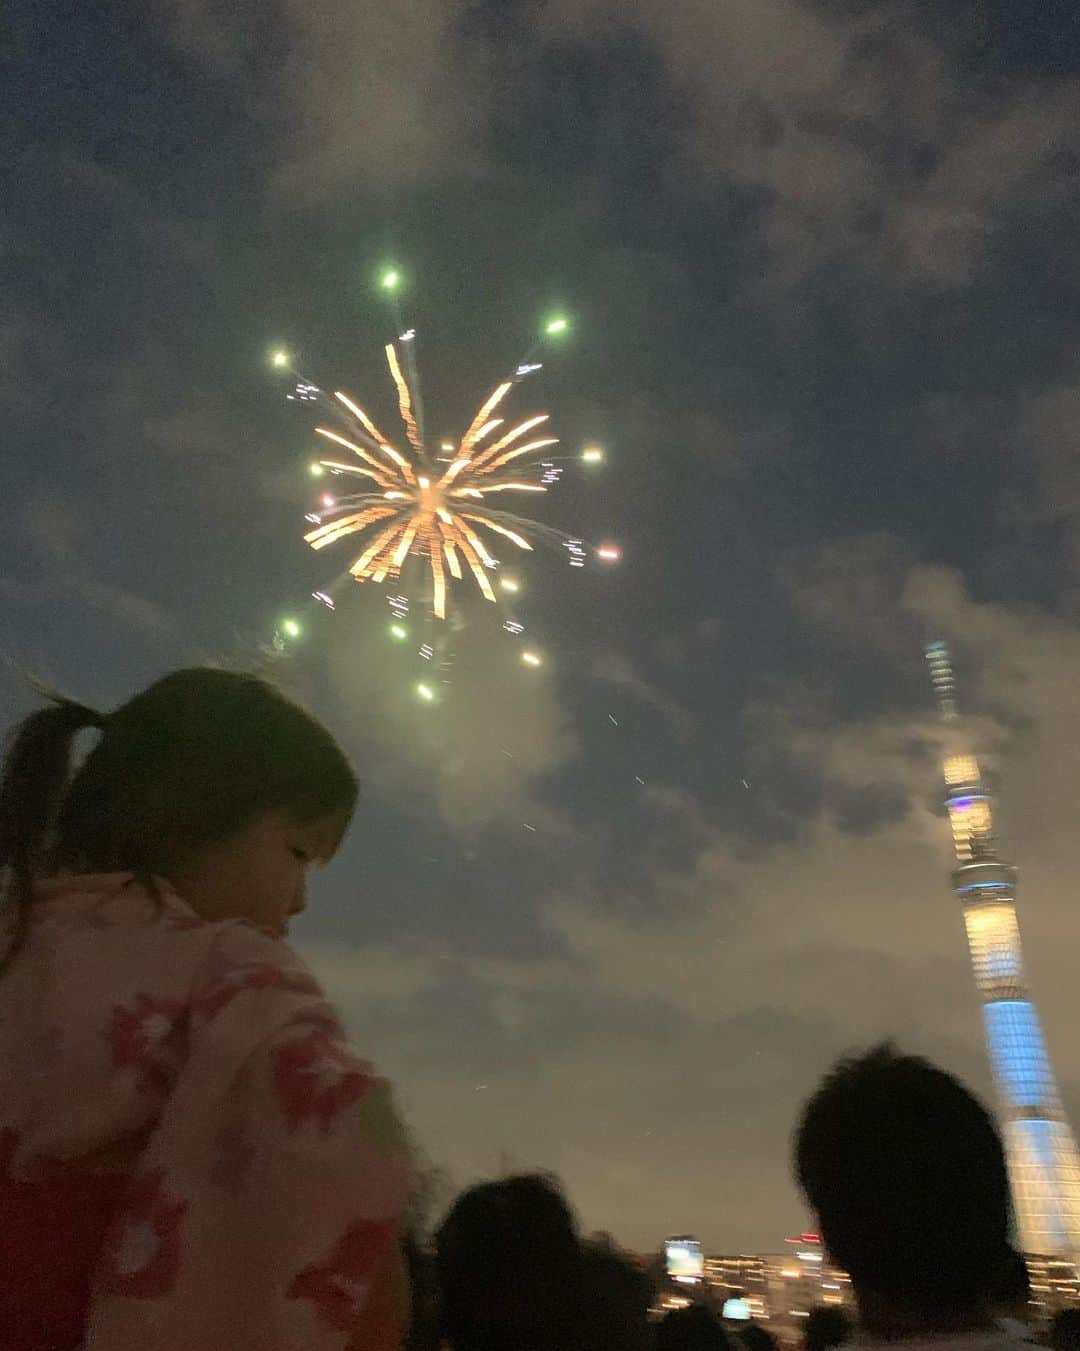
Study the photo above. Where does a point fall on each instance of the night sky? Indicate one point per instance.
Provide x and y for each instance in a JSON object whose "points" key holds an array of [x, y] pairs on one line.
{"points": [[822, 263]]}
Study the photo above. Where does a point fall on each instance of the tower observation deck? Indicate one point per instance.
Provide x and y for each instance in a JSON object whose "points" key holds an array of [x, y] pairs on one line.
{"points": [[1044, 1164]]}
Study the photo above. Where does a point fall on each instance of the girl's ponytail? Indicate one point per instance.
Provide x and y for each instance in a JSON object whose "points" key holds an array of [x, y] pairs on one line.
{"points": [[36, 771]]}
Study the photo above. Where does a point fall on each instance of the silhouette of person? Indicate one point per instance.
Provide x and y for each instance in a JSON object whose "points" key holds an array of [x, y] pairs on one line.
{"points": [[827, 1326], [510, 1268], [906, 1173]]}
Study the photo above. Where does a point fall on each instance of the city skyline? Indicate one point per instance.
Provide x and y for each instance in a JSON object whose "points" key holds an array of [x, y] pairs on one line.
{"points": [[783, 1286]]}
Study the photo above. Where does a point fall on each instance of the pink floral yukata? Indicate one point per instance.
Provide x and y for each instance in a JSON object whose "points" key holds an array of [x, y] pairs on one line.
{"points": [[191, 1158]]}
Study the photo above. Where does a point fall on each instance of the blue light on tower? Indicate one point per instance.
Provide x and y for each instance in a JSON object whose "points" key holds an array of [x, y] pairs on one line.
{"points": [[1016, 1044]]}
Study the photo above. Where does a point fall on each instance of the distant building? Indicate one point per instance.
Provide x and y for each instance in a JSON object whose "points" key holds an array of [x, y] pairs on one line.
{"points": [[779, 1288], [1054, 1285], [1044, 1164], [740, 1278], [681, 1275], [684, 1259], [800, 1279]]}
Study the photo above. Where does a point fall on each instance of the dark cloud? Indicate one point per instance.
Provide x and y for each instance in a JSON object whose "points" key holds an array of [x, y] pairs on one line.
{"points": [[866, 809], [352, 93]]}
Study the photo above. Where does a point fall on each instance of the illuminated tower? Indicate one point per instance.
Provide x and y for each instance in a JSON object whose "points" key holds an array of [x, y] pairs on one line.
{"points": [[1044, 1165]]}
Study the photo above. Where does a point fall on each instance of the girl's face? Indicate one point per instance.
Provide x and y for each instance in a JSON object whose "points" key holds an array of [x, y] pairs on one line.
{"points": [[258, 874]]}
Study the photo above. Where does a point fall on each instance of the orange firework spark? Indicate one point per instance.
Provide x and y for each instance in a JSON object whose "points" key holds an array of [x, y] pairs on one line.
{"points": [[418, 505]]}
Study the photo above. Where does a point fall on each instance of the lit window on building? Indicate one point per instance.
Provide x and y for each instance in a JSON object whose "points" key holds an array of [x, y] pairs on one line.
{"points": [[961, 771], [994, 939], [972, 825]]}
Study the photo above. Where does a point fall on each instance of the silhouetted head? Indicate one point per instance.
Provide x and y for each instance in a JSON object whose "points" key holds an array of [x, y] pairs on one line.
{"points": [[616, 1297], [826, 1326], [1010, 1287], [509, 1267], [693, 1329], [1065, 1330], [209, 778], [423, 1334], [756, 1338], [906, 1173]]}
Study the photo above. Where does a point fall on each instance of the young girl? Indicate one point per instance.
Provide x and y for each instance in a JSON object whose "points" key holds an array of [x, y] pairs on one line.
{"points": [[190, 1154]]}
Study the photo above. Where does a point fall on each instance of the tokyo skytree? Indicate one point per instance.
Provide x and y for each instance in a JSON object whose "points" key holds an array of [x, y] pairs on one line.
{"points": [[1044, 1164]]}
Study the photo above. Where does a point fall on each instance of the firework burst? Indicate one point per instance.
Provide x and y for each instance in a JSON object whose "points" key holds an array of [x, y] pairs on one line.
{"points": [[416, 502]]}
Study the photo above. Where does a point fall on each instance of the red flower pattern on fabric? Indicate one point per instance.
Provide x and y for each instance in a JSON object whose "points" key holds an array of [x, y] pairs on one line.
{"points": [[315, 1076], [142, 1256], [136, 1033], [338, 1285], [262, 976], [182, 1173]]}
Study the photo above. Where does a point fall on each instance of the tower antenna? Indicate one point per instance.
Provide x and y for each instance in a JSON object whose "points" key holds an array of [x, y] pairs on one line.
{"points": [[941, 673]]}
